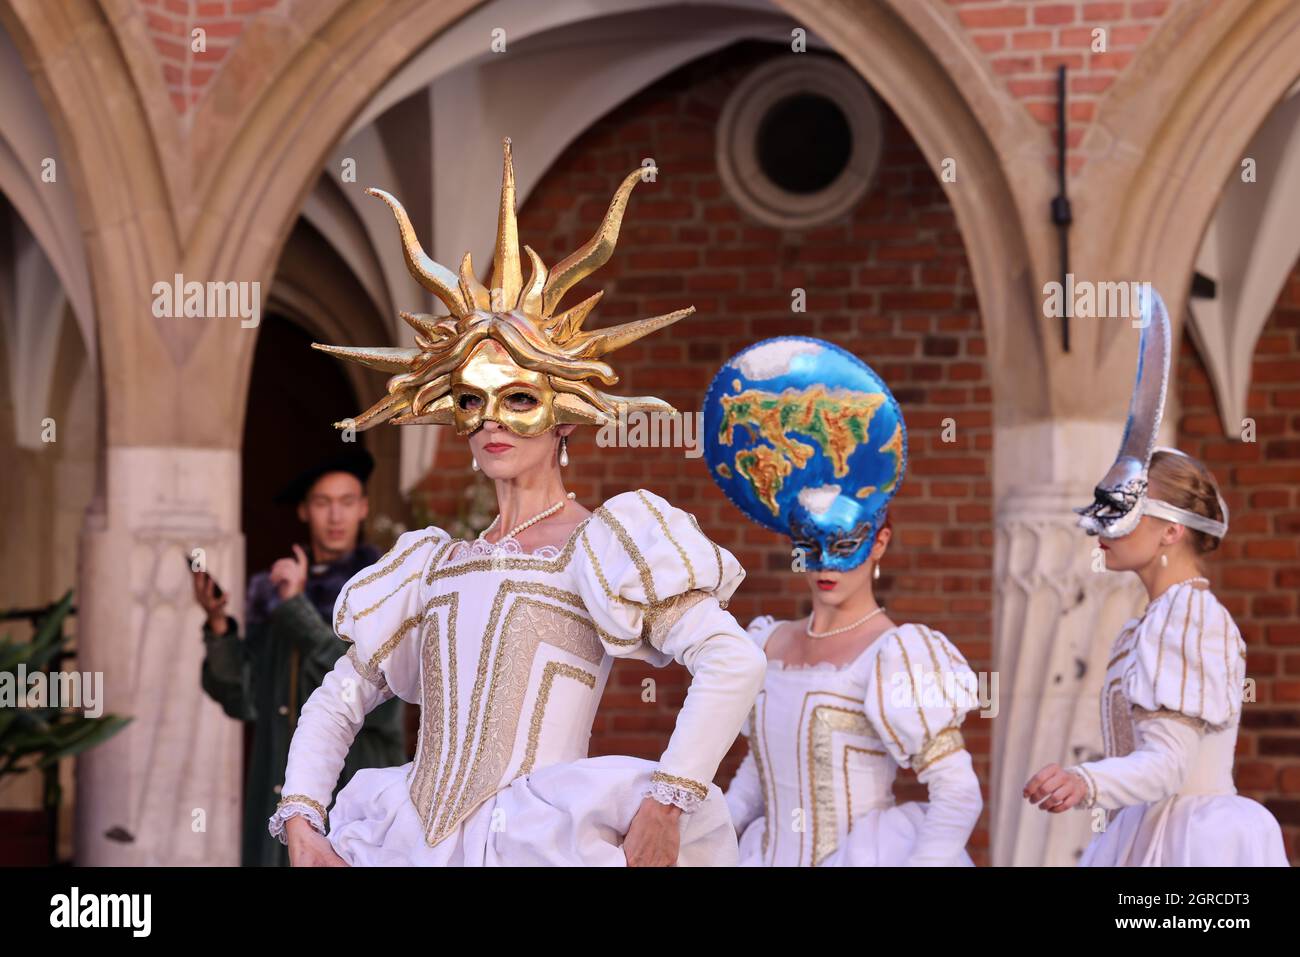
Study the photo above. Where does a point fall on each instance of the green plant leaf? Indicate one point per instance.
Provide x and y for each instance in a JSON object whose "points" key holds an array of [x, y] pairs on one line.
{"points": [[47, 734], [100, 731], [45, 644]]}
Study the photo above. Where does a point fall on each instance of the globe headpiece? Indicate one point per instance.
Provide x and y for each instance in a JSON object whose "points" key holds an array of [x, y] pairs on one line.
{"points": [[807, 441]]}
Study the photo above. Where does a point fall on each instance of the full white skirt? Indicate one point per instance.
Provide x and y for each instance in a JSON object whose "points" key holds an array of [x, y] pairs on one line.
{"points": [[1211, 830], [883, 837], [573, 814]]}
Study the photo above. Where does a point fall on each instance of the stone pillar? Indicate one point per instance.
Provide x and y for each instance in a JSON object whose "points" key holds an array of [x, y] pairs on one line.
{"points": [[1055, 617], [166, 790]]}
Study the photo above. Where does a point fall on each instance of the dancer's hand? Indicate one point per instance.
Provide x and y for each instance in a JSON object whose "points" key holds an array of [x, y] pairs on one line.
{"points": [[654, 837], [308, 847], [1057, 789]]}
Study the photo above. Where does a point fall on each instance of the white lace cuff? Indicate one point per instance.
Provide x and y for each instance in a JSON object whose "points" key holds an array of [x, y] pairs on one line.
{"points": [[679, 792], [1090, 798], [296, 805]]}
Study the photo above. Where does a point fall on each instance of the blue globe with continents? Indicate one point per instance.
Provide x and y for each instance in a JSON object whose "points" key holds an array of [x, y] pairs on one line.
{"points": [[806, 439]]}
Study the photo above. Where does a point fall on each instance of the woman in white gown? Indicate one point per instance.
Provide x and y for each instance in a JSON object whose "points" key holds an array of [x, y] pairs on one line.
{"points": [[1171, 698], [849, 695], [505, 643]]}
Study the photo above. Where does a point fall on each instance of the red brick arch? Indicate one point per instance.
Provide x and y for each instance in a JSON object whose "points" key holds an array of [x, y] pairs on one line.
{"points": [[1172, 143]]}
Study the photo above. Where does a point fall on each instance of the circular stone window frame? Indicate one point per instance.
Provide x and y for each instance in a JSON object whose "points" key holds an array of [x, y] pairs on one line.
{"points": [[737, 142]]}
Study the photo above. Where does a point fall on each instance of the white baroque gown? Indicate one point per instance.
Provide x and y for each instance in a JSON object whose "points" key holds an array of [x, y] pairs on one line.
{"points": [[1170, 707], [826, 742], [507, 656]]}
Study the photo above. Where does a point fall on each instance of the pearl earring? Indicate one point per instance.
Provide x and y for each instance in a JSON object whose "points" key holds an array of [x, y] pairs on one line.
{"points": [[1164, 560], [473, 463], [564, 451], [875, 572]]}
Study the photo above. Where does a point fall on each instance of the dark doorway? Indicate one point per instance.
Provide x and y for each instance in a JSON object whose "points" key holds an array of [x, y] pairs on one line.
{"points": [[295, 394]]}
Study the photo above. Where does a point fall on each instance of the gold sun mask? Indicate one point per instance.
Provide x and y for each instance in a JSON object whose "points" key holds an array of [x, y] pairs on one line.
{"points": [[503, 353]]}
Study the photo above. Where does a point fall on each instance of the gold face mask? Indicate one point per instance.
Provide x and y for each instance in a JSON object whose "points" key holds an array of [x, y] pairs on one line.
{"points": [[491, 386], [506, 352]]}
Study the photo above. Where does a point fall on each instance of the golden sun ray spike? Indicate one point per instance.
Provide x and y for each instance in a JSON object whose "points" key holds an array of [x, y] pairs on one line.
{"points": [[509, 333]]}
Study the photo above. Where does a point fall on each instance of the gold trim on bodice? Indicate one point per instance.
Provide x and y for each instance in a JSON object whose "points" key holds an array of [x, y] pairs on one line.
{"points": [[756, 745], [519, 624], [553, 670], [823, 722]]}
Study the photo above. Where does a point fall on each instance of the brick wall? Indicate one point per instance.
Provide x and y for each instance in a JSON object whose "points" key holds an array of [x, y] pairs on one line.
{"points": [[1025, 41], [1022, 41], [1256, 573], [888, 281], [170, 25]]}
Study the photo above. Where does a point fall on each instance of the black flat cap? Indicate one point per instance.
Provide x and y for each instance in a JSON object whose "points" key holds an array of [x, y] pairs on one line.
{"points": [[354, 461]]}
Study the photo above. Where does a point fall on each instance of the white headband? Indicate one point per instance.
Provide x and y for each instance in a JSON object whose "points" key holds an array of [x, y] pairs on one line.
{"points": [[1172, 513]]}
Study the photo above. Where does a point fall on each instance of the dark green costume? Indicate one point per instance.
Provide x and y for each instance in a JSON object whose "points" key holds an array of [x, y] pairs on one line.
{"points": [[266, 677]]}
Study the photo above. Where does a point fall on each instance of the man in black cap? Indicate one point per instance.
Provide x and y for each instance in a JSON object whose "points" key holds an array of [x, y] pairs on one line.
{"points": [[290, 645]]}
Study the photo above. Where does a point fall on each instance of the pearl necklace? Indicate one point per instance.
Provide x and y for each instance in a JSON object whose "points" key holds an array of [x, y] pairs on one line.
{"points": [[839, 631], [545, 513], [1185, 581]]}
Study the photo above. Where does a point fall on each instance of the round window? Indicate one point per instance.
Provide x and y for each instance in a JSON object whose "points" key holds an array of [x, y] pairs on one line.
{"points": [[799, 142]]}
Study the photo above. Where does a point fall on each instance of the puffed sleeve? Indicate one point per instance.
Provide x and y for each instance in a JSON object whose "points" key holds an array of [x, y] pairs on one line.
{"points": [[1186, 679], [1188, 659], [656, 588], [641, 560], [918, 691], [378, 613], [744, 795], [379, 610], [760, 629]]}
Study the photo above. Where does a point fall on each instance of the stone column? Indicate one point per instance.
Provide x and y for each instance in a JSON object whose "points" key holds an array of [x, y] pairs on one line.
{"points": [[166, 790], [1055, 617]]}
